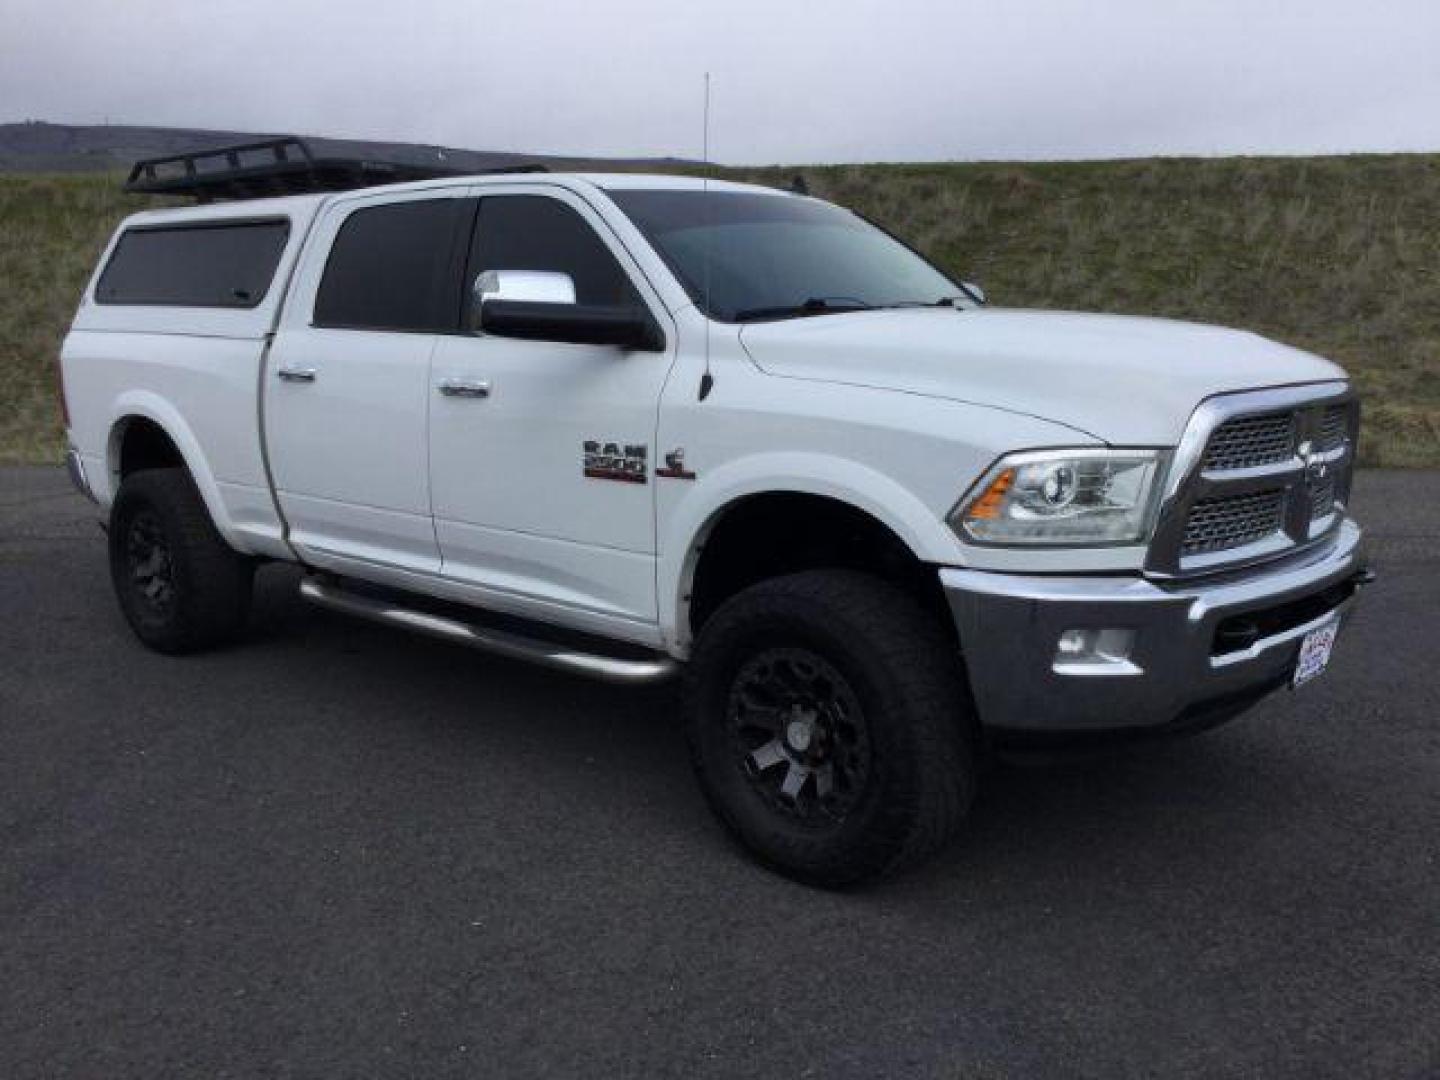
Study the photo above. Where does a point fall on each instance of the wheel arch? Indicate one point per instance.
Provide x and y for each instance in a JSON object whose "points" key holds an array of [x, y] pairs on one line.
{"points": [[144, 412], [846, 487]]}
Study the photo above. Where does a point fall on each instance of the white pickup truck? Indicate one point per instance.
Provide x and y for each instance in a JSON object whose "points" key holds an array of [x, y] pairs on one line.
{"points": [[629, 426]]}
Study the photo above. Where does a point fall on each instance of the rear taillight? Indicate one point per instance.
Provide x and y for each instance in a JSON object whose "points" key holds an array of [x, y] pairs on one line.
{"points": [[60, 393]]}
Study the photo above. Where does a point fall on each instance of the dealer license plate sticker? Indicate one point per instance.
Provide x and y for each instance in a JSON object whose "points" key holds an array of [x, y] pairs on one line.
{"points": [[1315, 649]]}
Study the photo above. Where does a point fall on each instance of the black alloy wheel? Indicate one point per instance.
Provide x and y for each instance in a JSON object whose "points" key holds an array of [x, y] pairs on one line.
{"points": [[830, 726], [801, 735], [149, 566], [180, 585]]}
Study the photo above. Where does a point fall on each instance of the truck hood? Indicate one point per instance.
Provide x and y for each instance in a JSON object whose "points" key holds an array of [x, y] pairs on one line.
{"points": [[1124, 380]]}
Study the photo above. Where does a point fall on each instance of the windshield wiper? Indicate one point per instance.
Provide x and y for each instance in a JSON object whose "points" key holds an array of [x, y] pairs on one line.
{"points": [[816, 305], [944, 301]]}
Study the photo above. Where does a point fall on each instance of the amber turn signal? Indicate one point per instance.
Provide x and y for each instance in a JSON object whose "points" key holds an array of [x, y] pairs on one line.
{"points": [[987, 506]]}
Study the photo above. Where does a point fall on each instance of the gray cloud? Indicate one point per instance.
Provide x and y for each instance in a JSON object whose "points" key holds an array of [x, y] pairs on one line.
{"points": [[846, 80]]}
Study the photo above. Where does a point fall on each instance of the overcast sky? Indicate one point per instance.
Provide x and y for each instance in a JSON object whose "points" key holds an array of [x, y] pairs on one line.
{"points": [[840, 80]]}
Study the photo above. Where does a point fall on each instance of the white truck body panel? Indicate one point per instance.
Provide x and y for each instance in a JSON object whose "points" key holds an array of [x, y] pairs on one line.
{"points": [[513, 511], [349, 450], [195, 372], [896, 456], [1162, 368]]}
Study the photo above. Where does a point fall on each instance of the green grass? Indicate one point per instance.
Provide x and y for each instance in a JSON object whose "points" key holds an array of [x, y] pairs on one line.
{"points": [[52, 229], [1337, 255]]}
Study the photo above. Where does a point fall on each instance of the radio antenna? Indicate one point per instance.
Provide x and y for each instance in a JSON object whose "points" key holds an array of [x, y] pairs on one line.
{"points": [[707, 380]]}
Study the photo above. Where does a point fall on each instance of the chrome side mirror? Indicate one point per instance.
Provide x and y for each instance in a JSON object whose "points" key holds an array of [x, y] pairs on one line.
{"points": [[532, 286], [527, 286], [538, 305]]}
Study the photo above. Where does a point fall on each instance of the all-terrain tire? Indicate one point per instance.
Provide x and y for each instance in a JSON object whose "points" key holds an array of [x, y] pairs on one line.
{"points": [[883, 656], [180, 586]]}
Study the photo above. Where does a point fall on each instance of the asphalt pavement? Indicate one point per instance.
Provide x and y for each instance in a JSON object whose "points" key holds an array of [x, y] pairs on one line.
{"points": [[336, 850]]}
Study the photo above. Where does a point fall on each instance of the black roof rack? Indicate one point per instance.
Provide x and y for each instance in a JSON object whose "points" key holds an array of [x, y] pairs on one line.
{"points": [[283, 166]]}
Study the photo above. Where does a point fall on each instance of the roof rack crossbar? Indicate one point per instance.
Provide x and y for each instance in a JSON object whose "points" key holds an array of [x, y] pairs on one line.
{"points": [[280, 166]]}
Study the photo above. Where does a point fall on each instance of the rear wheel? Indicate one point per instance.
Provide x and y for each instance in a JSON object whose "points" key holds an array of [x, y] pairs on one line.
{"points": [[181, 587], [830, 727]]}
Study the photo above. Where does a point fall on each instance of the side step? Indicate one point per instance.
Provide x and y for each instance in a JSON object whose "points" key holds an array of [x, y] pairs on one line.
{"points": [[546, 653]]}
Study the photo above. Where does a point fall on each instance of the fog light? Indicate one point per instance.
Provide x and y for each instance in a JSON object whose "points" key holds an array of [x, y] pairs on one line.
{"points": [[1095, 651]]}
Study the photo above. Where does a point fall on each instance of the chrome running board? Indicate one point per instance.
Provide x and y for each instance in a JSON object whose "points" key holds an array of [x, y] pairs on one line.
{"points": [[546, 653]]}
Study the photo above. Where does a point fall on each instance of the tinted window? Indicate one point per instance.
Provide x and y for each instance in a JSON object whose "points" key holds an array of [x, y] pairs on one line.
{"points": [[392, 268], [531, 232], [211, 265], [745, 255]]}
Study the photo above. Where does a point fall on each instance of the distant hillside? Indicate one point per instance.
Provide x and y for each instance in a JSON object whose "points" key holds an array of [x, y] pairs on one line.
{"points": [[1337, 255], [35, 146]]}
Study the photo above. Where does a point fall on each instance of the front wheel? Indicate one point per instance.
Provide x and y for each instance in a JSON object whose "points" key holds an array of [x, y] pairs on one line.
{"points": [[181, 587], [829, 726]]}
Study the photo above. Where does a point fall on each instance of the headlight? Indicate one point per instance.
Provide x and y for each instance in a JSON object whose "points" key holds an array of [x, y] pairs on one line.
{"points": [[1063, 497]]}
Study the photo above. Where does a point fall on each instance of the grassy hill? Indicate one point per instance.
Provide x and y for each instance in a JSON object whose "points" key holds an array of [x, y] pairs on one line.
{"points": [[1337, 255]]}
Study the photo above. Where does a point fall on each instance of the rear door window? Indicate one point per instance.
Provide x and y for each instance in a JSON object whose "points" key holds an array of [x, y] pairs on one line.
{"points": [[225, 264], [393, 267]]}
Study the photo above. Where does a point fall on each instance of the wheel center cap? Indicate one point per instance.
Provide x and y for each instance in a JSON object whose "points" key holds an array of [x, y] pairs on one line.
{"points": [[798, 733]]}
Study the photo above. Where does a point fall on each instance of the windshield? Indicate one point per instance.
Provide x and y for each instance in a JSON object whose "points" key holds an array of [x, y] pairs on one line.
{"points": [[776, 256]]}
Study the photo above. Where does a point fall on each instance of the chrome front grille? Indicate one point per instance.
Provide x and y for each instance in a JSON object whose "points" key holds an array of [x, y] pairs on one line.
{"points": [[1322, 498], [1256, 475], [1232, 521], [1333, 427], [1250, 441]]}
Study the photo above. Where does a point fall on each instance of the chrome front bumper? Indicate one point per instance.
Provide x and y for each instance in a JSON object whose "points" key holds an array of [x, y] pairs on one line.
{"points": [[1177, 675]]}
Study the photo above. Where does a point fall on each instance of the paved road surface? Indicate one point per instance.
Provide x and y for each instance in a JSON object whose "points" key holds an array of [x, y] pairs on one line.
{"points": [[340, 851]]}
